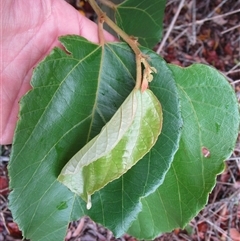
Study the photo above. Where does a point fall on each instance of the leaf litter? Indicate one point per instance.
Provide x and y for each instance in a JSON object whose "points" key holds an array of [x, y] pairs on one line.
{"points": [[204, 32]]}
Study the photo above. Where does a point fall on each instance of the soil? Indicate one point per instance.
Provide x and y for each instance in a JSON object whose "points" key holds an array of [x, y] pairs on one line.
{"points": [[204, 32]]}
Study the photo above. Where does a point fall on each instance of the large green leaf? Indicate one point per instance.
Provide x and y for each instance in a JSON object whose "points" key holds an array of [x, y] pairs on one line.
{"points": [[123, 141], [74, 95], [211, 120], [117, 204], [142, 19], [72, 98]]}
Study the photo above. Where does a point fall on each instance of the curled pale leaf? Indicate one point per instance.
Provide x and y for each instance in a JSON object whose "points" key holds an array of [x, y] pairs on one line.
{"points": [[102, 144], [123, 141]]}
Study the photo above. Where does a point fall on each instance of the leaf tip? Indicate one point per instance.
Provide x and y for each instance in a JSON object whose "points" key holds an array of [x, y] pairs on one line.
{"points": [[89, 202]]}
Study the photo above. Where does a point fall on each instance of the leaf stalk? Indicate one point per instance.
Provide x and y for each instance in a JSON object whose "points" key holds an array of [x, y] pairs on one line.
{"points": [[141, 80]]}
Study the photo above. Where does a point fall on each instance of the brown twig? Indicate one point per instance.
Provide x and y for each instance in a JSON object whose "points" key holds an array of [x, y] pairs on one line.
{"points": [[108, 3], [132, 42], [193, 22], [181, 4], [200, 22], [230, 29]]}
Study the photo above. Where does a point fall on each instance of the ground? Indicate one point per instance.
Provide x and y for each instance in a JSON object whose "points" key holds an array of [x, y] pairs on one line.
{"points": [[194, 31]]}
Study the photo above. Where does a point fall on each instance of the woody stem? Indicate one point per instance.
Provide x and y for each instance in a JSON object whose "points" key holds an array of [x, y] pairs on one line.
{"points": [[129, 40]]}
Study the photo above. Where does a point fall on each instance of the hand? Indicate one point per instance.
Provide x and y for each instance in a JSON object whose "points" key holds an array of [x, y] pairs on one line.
{"points": [[30, 29]]}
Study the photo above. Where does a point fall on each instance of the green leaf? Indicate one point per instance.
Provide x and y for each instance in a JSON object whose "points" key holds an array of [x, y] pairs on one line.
{"points": [[75, 93], [116, 206], [211, 120], [142, 19], [123, 141], [72, 99]]}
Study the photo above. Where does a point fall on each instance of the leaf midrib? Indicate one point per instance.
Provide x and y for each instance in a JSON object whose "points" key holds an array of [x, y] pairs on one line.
{"points": [[50, 101]]}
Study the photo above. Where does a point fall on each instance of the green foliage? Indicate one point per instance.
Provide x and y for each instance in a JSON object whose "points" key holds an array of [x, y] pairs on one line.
{"points": [[123, 141], [84, 116], [72, 121], [210, 123], [149, 31]]}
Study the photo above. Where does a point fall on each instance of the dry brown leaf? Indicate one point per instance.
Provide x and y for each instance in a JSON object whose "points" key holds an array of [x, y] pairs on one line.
{"points": [[3, 185], [234, 234], [236, 185], [14, 230], [219, 20]]}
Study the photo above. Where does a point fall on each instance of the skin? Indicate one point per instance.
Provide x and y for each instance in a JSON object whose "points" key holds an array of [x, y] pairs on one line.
{"points": [[29, 30]]}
